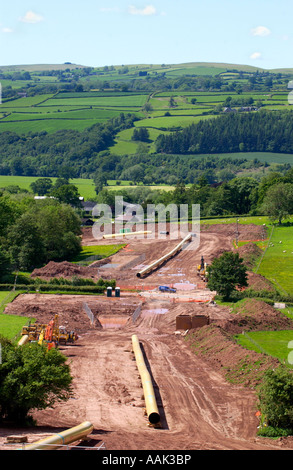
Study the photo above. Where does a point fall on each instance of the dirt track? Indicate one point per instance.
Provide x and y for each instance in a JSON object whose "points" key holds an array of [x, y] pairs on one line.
{"points": [[199, 409]]}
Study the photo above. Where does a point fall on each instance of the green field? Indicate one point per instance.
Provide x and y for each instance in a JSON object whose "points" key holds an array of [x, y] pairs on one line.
{"points": [[242, 220], [86, 187], [26, 102], [101, 251], [48, 125], [5, 298], [11, 325], [273, 343], [108, 101], [277, 263], [77, 111], [80, 110]]}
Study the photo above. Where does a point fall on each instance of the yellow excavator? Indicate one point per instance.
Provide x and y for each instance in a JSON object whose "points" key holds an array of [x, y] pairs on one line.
{"points": [[202, 270]]}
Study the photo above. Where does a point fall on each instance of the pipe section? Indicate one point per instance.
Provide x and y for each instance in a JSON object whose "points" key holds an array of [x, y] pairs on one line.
{"points": [[126, 234], [23, 340], [160, 261], [63, 438], [148, 389]]}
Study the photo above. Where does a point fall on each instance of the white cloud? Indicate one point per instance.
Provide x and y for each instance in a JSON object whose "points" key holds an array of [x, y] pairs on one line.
{"points": [[261, 31], [255, 55], [7, 30], [146, 11], [31, 17]]}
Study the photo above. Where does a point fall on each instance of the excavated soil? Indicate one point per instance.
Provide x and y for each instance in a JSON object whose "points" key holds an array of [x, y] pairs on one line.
{"points": [[65, 270], [199, 408], [227, 357], [256, 315]]}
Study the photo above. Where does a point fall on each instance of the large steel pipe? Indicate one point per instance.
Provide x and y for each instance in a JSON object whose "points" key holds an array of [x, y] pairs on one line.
{"points": [[148, 389], [23, 340], [126, 234], [63, 438], [164, 258]]}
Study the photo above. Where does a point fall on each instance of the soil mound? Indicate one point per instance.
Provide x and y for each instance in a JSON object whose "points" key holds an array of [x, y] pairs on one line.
{"points": [[256, 315], [63, 269], [258, 282], [245, 231], [226, 356], [250, 253]]}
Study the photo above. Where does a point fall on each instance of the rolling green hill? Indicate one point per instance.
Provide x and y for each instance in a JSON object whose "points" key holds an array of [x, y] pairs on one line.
{"points": [[164, 98], [189, 65]]}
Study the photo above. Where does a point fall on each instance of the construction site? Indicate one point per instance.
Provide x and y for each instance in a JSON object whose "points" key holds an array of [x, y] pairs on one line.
{"points": [[138, 384]]}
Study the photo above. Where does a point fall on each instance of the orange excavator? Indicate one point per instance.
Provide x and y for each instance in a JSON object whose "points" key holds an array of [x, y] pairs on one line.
{"points": [[51, 335]]}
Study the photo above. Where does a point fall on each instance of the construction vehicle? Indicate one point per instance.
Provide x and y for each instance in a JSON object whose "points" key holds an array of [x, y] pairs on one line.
{"points": [[32, 331], [51, 334], [167, 289], [202, 270]]}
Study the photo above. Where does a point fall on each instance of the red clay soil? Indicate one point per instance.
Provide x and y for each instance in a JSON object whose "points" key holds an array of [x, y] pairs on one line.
{"points": [[258, 282], [63, 269], [228, 357], [199, 408], [256, 315], [246, 232], [192, 391]]}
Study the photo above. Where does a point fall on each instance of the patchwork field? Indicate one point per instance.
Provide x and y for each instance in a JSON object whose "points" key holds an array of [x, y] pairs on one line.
{"points": [[80, 110]]}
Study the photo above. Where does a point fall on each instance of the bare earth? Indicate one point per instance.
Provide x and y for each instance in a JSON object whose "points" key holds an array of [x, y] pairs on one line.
{"points": [[199, 409]]}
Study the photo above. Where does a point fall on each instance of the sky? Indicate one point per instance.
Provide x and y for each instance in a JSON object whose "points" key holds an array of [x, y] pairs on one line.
{"points": [[115, 32]]}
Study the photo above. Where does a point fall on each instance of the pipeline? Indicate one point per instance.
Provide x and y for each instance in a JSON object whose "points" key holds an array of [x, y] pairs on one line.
{"points": [[63, 438], [169, 255], [23, 340], [125, 234], [148, 389]]}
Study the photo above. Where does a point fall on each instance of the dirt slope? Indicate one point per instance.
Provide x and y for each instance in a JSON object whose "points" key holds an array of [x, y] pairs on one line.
{"points": [[199, 409]]}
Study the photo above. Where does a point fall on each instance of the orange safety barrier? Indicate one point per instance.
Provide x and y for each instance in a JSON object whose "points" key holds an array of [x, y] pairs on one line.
{"points": [[252, 241], [191, 300], [125, 288]]}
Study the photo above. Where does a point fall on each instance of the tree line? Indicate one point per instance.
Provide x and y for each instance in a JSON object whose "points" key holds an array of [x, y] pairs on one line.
{"points": [[262, 131], [32, 233], [43, 154], [272, 196]]}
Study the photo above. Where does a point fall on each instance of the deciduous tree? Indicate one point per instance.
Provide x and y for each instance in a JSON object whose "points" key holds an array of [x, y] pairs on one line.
{"points": [[278, 202], [31, 377], [226, 273]]}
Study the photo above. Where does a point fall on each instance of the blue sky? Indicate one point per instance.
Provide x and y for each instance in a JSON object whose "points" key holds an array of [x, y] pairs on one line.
{"points": [[115, 32]]}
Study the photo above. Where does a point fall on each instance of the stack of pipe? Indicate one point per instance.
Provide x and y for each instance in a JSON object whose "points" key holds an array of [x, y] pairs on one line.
{"points": [[169, 255]]}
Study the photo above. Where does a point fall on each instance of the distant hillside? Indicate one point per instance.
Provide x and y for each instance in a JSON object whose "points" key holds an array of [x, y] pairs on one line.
{"points": [[208, 65], [221, 65], [39, 67]]}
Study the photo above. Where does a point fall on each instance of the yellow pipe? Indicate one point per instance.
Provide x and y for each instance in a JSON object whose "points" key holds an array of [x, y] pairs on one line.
{"points": [[63, 438], [164, 258], [148, 389], [126, 234], [23, 340]]}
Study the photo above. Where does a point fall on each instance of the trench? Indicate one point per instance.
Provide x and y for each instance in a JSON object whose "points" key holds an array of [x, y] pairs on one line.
{"points": [[113, 321]]}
